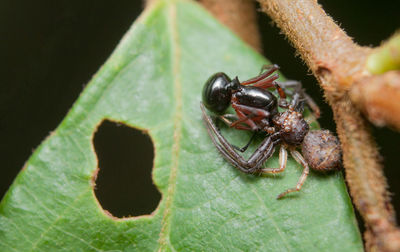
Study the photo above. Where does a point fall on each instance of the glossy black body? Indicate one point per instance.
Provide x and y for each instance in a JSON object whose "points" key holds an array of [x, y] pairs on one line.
{"points": [[219, 90], [257, 98], [216, 94]]}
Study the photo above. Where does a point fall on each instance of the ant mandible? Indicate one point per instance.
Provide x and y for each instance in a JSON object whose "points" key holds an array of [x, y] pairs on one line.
{"points": [[257, 110]]}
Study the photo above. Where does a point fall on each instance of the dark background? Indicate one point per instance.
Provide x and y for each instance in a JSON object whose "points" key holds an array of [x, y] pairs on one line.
{"points": [[50, 50]]}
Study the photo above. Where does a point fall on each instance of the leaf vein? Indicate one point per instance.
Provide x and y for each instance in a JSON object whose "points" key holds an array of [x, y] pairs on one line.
{"points": [[42, 235], [175, 60], [18, 229], [268, 212]]}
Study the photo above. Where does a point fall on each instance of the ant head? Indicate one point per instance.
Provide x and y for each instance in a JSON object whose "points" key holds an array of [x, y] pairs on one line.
{"points": [[217, 92]]}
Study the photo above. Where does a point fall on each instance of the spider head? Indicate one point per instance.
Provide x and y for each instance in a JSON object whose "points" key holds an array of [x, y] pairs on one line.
{"points": [[291, 126]]}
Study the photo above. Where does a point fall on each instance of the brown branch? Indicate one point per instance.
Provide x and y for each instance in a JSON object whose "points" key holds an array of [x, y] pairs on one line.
{"points": [[378, 97], [322, 44], [338, 62], [240, 16]]}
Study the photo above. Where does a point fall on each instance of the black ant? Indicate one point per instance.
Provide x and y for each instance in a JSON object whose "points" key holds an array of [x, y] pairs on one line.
{"points": [[257, 110]]}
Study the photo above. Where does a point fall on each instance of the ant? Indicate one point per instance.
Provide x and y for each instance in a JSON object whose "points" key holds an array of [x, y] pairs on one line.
{"points": [[256, 110]]}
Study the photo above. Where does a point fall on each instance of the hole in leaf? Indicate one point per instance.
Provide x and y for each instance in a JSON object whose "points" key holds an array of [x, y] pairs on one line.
{"points": [[124, 186]]}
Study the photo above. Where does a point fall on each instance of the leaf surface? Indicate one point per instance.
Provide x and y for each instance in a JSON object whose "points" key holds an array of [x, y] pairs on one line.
{"points": [[153, 81]]}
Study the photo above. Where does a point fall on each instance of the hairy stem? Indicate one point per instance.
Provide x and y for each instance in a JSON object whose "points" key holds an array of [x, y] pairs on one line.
{"points": [[338, 62], [378, 96]]}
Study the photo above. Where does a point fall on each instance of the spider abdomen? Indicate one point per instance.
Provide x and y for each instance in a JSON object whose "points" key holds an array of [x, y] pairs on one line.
{"points": [[321, 150]]}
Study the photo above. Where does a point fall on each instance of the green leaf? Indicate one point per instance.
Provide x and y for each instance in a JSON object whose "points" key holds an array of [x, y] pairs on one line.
{"points": [[153, 81]]}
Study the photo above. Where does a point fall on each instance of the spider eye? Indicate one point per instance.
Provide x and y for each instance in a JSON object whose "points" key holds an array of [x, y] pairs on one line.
{"points": [[216, 94]]}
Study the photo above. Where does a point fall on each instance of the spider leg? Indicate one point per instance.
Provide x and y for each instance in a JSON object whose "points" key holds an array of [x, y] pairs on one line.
{"points": [[253, 164], [267, 151], [294, 103], [229, 158], [282, 162], [298, 88], [290, 84], [299, 158], [246, 168], [262, 154], [224, 147], [313, 106]]}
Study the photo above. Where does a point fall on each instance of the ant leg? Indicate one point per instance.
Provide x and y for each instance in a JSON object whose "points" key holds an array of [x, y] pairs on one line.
{"points": [[299, 158], [253, 164], [270, 70], [230, 116], [282, 162], [244, 148], [253, 114], [256, 112], [229, 123], [267, 82], [244, 119], [267, 67]]}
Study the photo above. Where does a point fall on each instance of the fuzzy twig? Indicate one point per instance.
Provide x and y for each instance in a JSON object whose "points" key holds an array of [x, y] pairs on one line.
{"points": [[378, 97], [338, 63]]}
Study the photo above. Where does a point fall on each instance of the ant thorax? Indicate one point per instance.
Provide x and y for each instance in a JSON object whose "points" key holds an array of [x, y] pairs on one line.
{"points": [[291, 126]]}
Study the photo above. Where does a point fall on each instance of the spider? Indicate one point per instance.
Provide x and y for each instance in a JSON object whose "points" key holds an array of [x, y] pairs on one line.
{"points": [[257, 110]]}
